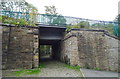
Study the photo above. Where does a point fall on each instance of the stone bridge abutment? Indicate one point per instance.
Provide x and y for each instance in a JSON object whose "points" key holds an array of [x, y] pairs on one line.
{"points": [[86, 48]]}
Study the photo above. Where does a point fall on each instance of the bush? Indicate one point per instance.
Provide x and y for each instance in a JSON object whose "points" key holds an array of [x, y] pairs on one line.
{"points": [[98, 69], [18, 22], [71, 27]]}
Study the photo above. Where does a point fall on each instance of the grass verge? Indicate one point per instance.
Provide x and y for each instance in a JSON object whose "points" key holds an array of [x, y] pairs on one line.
{"points": [[24, 72], [72, 67]]}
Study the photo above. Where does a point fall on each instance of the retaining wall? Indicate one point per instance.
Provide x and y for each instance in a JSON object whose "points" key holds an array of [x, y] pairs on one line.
{"points": [[0, 51], [19, 49], [90, 49]]}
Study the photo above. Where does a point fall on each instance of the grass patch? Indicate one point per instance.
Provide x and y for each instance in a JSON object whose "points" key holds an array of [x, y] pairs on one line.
{"points": [[41, 66], [18, 73], [98, 69], [27, 72], [72, 67], [33, 71], [24, 72]]}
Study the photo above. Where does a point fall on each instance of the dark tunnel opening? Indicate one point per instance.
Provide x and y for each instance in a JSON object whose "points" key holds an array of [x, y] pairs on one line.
{"points": [[49, 50], [51, 36]]}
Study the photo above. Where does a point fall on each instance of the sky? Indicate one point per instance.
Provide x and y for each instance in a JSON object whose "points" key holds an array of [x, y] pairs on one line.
{"points": [[105, 10]]}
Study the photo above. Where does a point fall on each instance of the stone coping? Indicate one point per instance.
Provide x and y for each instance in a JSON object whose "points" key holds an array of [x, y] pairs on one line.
{"points": [[82, 29], [94, 30], [11, 25]]}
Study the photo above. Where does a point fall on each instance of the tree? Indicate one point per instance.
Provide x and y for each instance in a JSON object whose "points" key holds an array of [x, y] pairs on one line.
{"points": [[33, 13], [23, 10], [83, 24], [117, 19], [72, 27], [54, 17], [59, 20], [45, 49], [50, 10]]}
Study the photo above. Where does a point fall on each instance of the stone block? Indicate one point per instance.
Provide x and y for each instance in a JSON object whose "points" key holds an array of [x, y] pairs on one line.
{"points": [[19, 52]]}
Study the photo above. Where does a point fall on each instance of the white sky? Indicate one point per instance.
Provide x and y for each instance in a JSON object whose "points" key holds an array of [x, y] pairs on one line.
{"points": [[105, 10]]}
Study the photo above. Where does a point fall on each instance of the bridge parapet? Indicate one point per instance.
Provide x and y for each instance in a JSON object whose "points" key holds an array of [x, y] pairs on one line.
{"points": [[61, 21]]}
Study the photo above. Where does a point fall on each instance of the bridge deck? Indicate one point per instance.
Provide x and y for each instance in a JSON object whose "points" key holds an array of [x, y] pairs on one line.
{"points": [[51, 32]]}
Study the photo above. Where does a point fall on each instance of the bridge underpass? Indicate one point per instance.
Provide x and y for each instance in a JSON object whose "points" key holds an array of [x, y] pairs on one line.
{"points": [[52, 36]]}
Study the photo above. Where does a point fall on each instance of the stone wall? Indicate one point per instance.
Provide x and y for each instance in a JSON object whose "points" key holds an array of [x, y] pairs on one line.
{"points": [[90, 49], [69, 49], [18, 47], [36, 51], [112, 53], [0, 51]]}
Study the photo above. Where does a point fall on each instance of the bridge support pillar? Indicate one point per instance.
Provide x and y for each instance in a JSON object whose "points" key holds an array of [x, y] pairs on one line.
{"points": [[36, 52]]}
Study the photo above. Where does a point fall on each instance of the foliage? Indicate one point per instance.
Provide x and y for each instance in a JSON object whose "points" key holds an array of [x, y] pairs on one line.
{"points": [[50, 10], [18, 22], [20, 6], [98, 69], [22, 22], [27, 72], [33, 14], [59, 20], [53, 16], [41, 66], [71, 27], [119, 31], [83, 24], [16, 5], [97, 25], [109, 28], [117, 19], [72, 67], [0, 18], [45, 49]]}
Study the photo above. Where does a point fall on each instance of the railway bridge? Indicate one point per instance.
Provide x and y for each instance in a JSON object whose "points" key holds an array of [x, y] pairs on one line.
{"points": [[87, 46]]}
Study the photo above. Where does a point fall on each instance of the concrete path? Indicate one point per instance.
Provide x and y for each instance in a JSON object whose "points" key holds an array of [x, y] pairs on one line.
{"points": [[94, 73]]}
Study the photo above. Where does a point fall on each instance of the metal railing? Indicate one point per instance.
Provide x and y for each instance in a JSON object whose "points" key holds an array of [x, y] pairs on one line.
{"points": [[59, 20]]}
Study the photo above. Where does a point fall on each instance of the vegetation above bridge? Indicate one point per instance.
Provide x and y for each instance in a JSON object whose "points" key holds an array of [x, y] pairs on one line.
{"points": [[25, 14], [19, 18]]}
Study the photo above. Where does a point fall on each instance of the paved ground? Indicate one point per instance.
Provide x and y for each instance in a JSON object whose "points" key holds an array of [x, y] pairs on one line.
{"points": [[94, 73], [55, 69]]}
